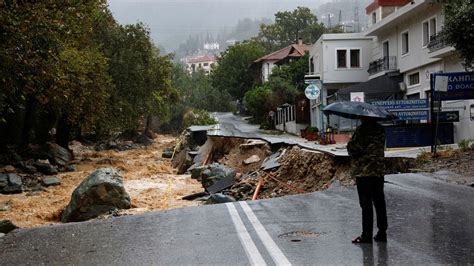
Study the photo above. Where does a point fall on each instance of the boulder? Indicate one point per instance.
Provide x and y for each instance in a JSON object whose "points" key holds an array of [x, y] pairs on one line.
{"points": [[8, 169], [214, 173], [252, 159], [29, 169], [57, 154], [51, 181], [6, 226], [142, 139], [45, 168], [100, 193], [168, 153], [219, 198], [10, 184], [3, 181]]}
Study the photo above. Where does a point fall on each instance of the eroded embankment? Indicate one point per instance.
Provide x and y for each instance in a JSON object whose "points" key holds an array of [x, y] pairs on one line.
{"points": [[292, 170]]}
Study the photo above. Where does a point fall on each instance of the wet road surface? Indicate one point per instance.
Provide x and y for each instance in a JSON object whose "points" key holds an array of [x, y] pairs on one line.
{"points": [[430, 222]]}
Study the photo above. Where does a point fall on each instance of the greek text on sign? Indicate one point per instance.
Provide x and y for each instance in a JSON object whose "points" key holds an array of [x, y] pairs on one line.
{"points": [[402, 104], [460, 86], [313, 91]]}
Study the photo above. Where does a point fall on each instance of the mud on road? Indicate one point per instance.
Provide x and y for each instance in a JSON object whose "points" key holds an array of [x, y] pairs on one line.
{"points": [[149, 179]]}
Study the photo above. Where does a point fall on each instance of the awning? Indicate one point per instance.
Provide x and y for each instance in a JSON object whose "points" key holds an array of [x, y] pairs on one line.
{"points": [[388, 84]]}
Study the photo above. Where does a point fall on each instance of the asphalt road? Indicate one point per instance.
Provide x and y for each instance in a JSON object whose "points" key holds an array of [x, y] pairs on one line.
{"points": [[234, 126], [430, 222]]}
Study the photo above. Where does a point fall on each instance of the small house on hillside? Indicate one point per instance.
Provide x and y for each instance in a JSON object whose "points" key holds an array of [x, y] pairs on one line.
{"points": [[281, 57], [204, 62]]}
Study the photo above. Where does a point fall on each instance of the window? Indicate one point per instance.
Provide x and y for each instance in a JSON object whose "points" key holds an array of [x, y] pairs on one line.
{"points": [[414, 79], [385, 49], [426, 33], [472, 111], [206, 64], [341, 58], [428, 30], [432, 27], [405, 47], [374, 18], [355, 58]]}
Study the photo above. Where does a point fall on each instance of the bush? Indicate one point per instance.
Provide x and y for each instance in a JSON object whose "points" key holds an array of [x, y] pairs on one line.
{"points": [[198, 117], [466, 144]]}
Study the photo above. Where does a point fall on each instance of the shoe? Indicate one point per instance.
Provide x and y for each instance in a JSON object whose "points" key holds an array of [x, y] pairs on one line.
{"points": [[379, 237], [361, 240]]}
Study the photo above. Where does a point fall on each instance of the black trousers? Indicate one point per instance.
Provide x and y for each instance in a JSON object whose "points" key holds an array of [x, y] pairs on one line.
{"points": [[370, 190]]}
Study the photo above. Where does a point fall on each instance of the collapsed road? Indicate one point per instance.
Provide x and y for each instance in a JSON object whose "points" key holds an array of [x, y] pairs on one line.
{"points": [[430, 222], [313, 228]]}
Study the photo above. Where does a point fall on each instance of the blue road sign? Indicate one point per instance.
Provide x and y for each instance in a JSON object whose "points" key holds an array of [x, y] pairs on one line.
{"points": [[460, 86]]}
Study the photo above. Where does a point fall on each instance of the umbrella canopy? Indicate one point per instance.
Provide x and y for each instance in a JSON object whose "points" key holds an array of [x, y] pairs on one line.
{"points": [[355, 110]]}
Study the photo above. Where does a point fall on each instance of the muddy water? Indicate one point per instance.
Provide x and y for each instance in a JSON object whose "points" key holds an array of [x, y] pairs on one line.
{"points": [[150, 180]]}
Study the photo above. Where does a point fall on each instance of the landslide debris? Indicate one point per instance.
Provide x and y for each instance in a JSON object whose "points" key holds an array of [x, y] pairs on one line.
{"points": [[300, 171]]}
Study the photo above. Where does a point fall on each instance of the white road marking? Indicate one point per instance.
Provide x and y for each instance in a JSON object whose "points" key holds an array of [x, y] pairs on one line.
{"points": [[278, 257], [250, 248]]}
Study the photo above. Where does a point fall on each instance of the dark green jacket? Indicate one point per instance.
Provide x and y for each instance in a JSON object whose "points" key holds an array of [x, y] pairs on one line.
{"points": [[366, 149]]}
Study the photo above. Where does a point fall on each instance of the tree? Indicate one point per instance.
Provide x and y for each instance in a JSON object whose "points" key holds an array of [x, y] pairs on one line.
{"points": [[289, 27], [235, 72], [458, 28], [257, 102], [43, 57]]}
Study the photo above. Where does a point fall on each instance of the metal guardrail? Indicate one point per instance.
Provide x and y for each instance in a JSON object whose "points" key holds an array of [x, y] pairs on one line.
{"points": [[437, 42], [382, 64]]}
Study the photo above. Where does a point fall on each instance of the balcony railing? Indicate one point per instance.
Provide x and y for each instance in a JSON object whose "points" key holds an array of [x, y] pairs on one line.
{"points": [[437, 42], [383, 64]]}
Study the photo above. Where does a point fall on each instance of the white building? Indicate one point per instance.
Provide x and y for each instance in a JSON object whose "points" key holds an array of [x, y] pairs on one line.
{"points": [[203, 62], [407, 40], [280, 57], [339, 60]]}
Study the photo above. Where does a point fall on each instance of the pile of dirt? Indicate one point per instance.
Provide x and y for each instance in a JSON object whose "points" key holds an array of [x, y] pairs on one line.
{"points": [[233, 152], [457, 161], [149, 179], [300, 171]]}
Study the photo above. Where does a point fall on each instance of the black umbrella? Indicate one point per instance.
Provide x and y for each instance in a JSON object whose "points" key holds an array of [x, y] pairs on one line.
{"points": [[355, 110]]}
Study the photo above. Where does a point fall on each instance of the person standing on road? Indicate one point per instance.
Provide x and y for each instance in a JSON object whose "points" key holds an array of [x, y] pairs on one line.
{"points": [[366, 149]]}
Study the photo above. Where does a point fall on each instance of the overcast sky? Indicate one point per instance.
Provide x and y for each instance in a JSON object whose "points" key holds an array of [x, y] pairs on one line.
{"points": [[171, 21]]}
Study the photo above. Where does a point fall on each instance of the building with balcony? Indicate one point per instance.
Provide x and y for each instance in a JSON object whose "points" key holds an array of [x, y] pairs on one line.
{"points": [[338, 60], [407, 40]]}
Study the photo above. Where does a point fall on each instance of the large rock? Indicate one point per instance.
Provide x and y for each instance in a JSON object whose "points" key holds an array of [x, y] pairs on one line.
{"points": [[99, 193], [214, 173], [57, 154], [10, 184], [45, 168], [51, 181], [6, 226]]}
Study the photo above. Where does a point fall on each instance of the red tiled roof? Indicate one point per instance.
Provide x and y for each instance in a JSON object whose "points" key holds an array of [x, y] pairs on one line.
{"points": [[377, 3], [204, 58], [294, 50]]}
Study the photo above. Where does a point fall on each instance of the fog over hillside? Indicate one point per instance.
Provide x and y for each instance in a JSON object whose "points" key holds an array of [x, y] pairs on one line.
{"points": [[172, 21]]}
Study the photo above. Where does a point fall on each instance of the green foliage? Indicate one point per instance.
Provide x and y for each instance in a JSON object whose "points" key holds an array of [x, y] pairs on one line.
{"points": [[235, 72], [198, 117], [312, 129], [258, 102], [293, 72], [289, 26], [458, 29], [69, 65], [466, 144]]}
